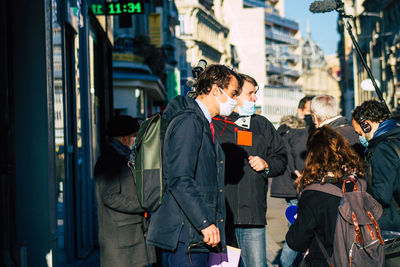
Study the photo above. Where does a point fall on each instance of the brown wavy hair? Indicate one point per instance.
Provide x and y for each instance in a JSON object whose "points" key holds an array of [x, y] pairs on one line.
{"points": [[330, 158]]}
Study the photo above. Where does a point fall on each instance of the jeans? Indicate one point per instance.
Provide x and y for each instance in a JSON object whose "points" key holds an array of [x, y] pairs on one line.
{"points": [[252, 242], [289, 257]]}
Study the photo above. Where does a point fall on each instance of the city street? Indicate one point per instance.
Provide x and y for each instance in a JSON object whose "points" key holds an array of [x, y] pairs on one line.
{"points": [[277, 226], [276, 231], [68, 67]]}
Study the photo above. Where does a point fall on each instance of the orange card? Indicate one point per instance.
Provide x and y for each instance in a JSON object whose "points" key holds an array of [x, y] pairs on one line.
{"points": [[244, 138]]}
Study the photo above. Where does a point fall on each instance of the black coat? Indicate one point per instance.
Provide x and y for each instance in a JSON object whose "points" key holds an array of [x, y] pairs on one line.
{"points": [[294, 134], [342, 126], [121, 221], [246, 189], [316, 215], [193, 171], [385, 167]]}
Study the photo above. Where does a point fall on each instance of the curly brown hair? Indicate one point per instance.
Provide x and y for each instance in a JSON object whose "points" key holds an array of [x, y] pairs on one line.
{"points": [[330, 157]]}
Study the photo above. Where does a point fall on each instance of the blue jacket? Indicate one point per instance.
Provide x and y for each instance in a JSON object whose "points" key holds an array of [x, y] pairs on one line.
{"points": [[383, 173], [193, 173]]}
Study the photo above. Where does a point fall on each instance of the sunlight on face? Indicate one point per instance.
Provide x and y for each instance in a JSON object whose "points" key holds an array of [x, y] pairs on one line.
{"points": [[249, 92]]}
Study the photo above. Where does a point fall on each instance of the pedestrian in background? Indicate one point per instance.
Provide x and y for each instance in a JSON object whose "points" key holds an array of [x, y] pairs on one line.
{"points": [[304, 111], [380, 135], [330, 159], [294, 133], [254, 151], [122, 225], [191, 219], [325, 111]]}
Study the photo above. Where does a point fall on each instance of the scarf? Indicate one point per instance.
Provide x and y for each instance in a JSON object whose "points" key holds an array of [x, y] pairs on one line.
{"points": [[385, 127], [127, 153]]}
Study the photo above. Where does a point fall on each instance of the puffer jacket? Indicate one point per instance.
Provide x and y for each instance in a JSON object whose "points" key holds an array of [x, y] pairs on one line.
{"points": [[193, 174]]}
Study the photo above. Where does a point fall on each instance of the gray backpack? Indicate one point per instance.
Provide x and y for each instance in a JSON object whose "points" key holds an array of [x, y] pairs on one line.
{"points": [[357, 239]]}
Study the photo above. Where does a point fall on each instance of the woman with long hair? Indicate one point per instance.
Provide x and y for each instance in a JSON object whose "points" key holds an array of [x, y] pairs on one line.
{"points": [[330, 159]]}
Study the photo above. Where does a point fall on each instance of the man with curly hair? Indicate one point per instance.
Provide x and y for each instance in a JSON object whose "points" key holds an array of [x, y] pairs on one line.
{"points": [[381, 136], [191, 219]]}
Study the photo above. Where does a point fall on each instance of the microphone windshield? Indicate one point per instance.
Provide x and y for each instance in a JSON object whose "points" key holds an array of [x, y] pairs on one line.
{"points": [[202, 64], [199, 68], [323, 6]]}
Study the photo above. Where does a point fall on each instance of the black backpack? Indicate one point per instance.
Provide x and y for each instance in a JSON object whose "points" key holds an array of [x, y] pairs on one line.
{"points": [[357, 239]]}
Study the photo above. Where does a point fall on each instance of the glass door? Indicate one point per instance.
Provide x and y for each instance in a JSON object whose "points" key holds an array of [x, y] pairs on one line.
{"points": [[61, 147]]}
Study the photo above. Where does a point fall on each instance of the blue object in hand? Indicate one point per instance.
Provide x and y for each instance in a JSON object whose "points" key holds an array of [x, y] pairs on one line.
{"points": [[291, 213]]}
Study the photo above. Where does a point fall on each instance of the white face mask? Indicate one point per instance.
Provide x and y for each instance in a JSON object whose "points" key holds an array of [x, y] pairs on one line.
{"points": [[225, 109]]}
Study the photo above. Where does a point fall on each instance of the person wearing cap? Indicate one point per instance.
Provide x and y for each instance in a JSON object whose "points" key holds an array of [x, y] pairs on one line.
{"points": [[121, 219]]}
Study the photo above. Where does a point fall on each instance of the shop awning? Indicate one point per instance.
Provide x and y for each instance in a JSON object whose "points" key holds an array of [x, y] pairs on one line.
{"points": [[128, 77]]}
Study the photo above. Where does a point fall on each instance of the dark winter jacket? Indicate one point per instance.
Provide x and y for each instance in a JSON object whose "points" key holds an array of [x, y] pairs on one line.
{"points": [[294, 134], [384, 167], [316, 215], [122, 224], [343, 127], [193, 173], [246, 189]]}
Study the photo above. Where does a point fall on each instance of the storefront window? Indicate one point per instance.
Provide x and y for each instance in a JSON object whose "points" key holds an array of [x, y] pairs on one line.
{"points": [[60, 148]]}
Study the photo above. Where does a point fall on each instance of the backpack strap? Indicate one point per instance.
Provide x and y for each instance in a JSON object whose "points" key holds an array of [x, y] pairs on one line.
{"points": [[323, 250], [326, 188]]}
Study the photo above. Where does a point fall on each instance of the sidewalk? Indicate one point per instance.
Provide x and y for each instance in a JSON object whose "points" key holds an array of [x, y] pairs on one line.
{"points": [[276, 231], [277, 226]]}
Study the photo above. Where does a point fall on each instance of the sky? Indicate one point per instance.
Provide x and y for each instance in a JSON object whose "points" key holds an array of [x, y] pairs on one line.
{"points": [[323, 26]]}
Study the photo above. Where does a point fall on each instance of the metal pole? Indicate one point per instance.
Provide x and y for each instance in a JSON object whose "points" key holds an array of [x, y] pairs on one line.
{"points": [[357, 47]]}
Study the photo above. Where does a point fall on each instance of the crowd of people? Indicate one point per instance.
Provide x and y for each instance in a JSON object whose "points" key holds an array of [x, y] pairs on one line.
{"points": [[217, 157]]}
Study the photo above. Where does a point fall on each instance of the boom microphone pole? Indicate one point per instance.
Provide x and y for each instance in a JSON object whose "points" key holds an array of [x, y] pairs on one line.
{"points": [[199, 68], [330, 5]]}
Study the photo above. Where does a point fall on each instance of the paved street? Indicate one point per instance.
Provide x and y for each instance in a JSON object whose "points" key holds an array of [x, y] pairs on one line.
{"points": [[276, 228], [276, 231]]}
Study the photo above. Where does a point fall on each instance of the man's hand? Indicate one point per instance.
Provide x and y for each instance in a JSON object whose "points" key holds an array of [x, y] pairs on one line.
{"points": [[211, 235], [257, 163]]}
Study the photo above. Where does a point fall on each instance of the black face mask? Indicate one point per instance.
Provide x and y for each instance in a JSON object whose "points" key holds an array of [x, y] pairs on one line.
{"points": [[309, 121]]}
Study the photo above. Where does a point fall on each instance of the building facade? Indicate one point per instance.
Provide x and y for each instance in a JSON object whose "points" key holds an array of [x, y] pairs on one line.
{"points": [[56, 97], [378, 33], [145, 64], [283, 64], [321, 73], [200, 36], [247, 47]]}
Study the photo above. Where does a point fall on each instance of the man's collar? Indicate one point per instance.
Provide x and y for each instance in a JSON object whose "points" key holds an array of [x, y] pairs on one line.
{"points": [[325, 122], [205, 111]]}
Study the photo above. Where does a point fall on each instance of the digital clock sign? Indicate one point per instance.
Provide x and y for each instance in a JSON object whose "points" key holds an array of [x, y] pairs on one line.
{"points": [[118, 8]]}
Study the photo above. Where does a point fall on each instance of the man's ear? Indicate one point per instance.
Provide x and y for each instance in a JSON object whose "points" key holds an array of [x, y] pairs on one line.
{"points": [[315, 119], [215, 90]]}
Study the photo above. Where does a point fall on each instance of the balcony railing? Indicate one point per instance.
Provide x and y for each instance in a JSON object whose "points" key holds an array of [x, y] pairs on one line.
{"points": [[282, 70], [254, 3], [284, 22], [286, 38]]}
